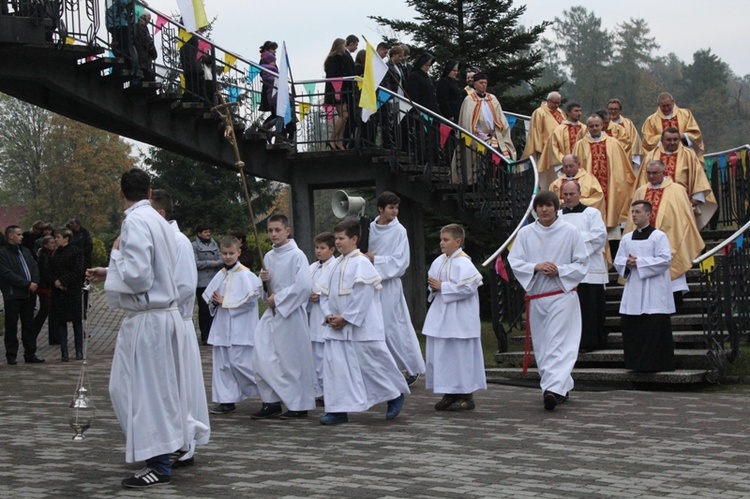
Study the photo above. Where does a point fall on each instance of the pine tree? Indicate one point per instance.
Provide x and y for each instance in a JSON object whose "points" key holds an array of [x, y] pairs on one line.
{"points": [[483, 34]]}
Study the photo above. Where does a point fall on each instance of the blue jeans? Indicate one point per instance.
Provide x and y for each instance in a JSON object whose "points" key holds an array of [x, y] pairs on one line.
{"points": [[160, 464]]}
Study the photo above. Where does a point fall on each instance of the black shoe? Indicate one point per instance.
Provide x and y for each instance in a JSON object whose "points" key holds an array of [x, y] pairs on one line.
{"points": [[445, 402], [464, 403], [294, 415], [146, 478], [552, 400], [33, 360], [64, 358], [319, 402], [12, 362], [222, 409], [267, 411], [410, 380]]}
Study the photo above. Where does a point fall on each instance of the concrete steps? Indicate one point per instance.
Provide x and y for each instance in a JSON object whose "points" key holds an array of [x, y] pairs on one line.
{"points": [[604, 375], [613, 357]]}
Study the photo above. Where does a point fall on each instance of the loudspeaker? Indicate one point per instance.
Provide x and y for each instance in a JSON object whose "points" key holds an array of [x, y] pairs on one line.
{"points": [[342, 204]]}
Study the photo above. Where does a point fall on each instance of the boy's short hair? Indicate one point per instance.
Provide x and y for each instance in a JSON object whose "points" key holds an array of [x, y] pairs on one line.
{"points": [[455, 231], [352, 39], [202, 227], [387, 198], [326, 238], [47, 239], [349, 227], [571, 106], [546, 198], [64, 232], [161, 200], [279, 217], [647, 207], [135, 184], [229, 242]]}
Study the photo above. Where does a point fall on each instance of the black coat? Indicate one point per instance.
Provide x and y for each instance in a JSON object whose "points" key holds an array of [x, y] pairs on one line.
{"points": [[66, 265], [450, 97], [420, 88], [335, 66], [13, 282]]}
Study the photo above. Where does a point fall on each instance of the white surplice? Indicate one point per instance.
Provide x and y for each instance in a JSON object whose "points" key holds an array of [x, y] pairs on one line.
{"points": [[358, 369], [319, 272], [648, 288], [455, 362], [390, 245], [186, 279], [555, 321], [233, 332], [282, 356], [147, 385], [595, 238]]}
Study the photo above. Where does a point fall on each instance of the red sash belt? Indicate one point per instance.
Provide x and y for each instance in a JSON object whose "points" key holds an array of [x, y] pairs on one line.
{"points": [[527, 349]]}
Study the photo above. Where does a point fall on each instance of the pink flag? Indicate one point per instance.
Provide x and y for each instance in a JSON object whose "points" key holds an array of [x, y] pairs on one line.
{"points": [[204, 48], [337, 87], [500, 268], [445, 132], [159, 24]]}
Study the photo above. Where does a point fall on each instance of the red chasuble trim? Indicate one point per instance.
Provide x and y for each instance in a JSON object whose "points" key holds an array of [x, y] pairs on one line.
{"points": [[557, 115], [653, 196], [599, 166], [670, 123], [573, 131], [670, 161]]}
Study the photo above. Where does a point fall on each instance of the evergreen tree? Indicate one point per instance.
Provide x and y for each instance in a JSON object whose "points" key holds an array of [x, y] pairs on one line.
{"points": [[484, 34], [208, 194], [634, 53], [587, 49]]}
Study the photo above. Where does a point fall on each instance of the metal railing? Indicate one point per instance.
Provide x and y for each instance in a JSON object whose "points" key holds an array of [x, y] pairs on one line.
{"points": [[730, 182], [725, 299]]}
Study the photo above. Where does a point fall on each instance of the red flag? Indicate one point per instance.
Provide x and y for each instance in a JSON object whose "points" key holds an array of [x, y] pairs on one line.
{"points": [[445, 132], [733, 162], [204, 48], [328, 109], [159, 24], [500, 268]]}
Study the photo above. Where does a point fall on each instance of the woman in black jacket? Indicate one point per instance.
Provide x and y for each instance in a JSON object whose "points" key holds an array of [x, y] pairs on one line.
{"points": [[66, 273], [450, 96], [338, 64]]}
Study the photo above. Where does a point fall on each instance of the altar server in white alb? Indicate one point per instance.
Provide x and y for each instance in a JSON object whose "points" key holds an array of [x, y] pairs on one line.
{"points": [[455, 362], [325, 247], [549, 259], [389, 251], [283, 361], [232, 298], [591, 289], [643, 260], [186, 278], [358, 369], [148, 382]]}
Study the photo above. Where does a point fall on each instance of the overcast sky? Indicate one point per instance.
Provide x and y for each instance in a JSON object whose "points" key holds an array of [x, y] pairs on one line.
{"points": [[309, 27]]}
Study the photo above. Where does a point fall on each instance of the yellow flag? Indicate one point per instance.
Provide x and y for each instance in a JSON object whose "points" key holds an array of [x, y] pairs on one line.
{"points": [[467, 139], [481, 148], [69, 40], [375, 71], [707, 264], [182, 38], [304, 108], [182, 81], [743, 158], [230, 60]]}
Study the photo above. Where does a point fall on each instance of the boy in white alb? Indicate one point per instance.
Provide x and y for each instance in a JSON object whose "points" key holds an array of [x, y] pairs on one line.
{"points": [[282, 357], [358, 369], [232, 298], [455, 362], [389, 252], [325, 246]]}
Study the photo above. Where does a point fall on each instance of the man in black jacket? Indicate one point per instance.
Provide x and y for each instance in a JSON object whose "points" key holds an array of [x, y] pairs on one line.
{"points": [[19, 276]]}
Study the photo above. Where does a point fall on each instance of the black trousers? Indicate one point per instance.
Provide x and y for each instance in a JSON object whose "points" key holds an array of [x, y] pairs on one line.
{"points": [[22, 309], [204, 316]]}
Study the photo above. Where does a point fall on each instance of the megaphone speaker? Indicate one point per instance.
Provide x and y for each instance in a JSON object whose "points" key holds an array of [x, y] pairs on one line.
{"points": [[342, 204]]}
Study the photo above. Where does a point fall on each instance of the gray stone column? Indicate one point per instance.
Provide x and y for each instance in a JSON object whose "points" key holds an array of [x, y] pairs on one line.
{"points": [[303, 215]]}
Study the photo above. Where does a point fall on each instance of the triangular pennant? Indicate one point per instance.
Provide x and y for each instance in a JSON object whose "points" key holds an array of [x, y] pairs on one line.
{"points": [[500, 269], [710, 167], [234, 93], [467, 139], [336, 84], [481, 148], [511, 121], [445, 132], [204, 48], [328, 110], [496, 159], [230, 60], [304, 108], [708, 264], [723, 167], [743, 159], [740, 241], [182, 37], [159, 24], [252, 72], [383, 97], [139, 9], [310, 88]]}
